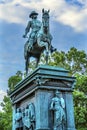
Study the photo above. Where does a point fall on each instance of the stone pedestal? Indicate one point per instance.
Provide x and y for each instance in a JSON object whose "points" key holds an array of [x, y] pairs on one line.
{"points": [[38, 88]]}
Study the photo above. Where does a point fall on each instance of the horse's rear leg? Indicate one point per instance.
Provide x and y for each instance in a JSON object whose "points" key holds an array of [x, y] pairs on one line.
{"points": [[46, 57], [26, 66], [37, 61]]}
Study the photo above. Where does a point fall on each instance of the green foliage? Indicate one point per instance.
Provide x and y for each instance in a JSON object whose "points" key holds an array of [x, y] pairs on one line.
{"points": [[6, 114], [80, 107], [81, 83], [80, 101], [73, 60], [13, 80], [19, 73], [77, 60], [82, 129]]}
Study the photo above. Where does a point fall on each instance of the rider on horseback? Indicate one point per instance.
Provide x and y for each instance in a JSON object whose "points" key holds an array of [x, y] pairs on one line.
{"points": [[35, 25]]}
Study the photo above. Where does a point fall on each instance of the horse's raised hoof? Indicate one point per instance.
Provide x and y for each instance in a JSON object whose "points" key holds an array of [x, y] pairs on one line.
{"points": [[53, 50]]}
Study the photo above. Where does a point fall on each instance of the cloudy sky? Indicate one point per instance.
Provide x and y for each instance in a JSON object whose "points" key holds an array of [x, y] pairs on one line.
{"points": [[68, 26]]}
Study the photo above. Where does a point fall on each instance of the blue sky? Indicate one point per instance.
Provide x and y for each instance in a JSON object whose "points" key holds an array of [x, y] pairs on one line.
{"points": [[68, 26]]}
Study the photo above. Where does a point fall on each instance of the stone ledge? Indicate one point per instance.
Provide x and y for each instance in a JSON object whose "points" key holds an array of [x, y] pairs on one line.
{"points": [[45, 73]]}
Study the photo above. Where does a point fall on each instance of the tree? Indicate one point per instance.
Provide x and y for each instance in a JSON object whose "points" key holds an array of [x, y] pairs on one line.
{"points": [[80, 107], [6, 114], [1, 121], [77, 60], [81, 84], [73, 60], [13, 80], [80, 101], [19, 73]]}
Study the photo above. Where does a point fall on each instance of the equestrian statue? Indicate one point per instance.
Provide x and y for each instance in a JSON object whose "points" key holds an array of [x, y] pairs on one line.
{"points": [[39, 38]]}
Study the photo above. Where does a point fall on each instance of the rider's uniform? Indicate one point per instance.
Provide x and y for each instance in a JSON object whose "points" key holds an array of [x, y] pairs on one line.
{"points": [[35, 25]]}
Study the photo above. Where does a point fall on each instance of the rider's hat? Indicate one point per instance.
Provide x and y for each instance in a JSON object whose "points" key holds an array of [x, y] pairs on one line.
{"points": [[33, 13]]}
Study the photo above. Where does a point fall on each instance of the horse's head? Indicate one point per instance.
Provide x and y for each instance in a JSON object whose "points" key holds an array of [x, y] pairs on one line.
{"points": [[45, 19]]}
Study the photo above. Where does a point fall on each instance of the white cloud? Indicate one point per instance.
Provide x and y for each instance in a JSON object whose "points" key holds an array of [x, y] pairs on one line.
{"points": [[75, 19], [2, 94], [61, 11], [82, 1], [11, 13]]}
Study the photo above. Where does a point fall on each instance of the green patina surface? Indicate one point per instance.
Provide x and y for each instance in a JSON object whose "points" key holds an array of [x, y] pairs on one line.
{"points": [[47, 72]]}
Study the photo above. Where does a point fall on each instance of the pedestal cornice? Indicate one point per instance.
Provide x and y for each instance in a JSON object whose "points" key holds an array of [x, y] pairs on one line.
{"points": [[44, 76]]}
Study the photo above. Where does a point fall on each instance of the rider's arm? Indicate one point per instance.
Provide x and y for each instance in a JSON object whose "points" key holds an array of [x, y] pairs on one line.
{"points": [[27, 29]]}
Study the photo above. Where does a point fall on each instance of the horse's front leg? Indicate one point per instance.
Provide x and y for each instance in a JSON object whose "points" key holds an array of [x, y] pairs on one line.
{"points": [[44, 44], [47, 52]]}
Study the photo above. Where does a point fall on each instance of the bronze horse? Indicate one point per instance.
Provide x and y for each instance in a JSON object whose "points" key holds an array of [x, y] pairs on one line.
{"points": [[43, 42]]}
